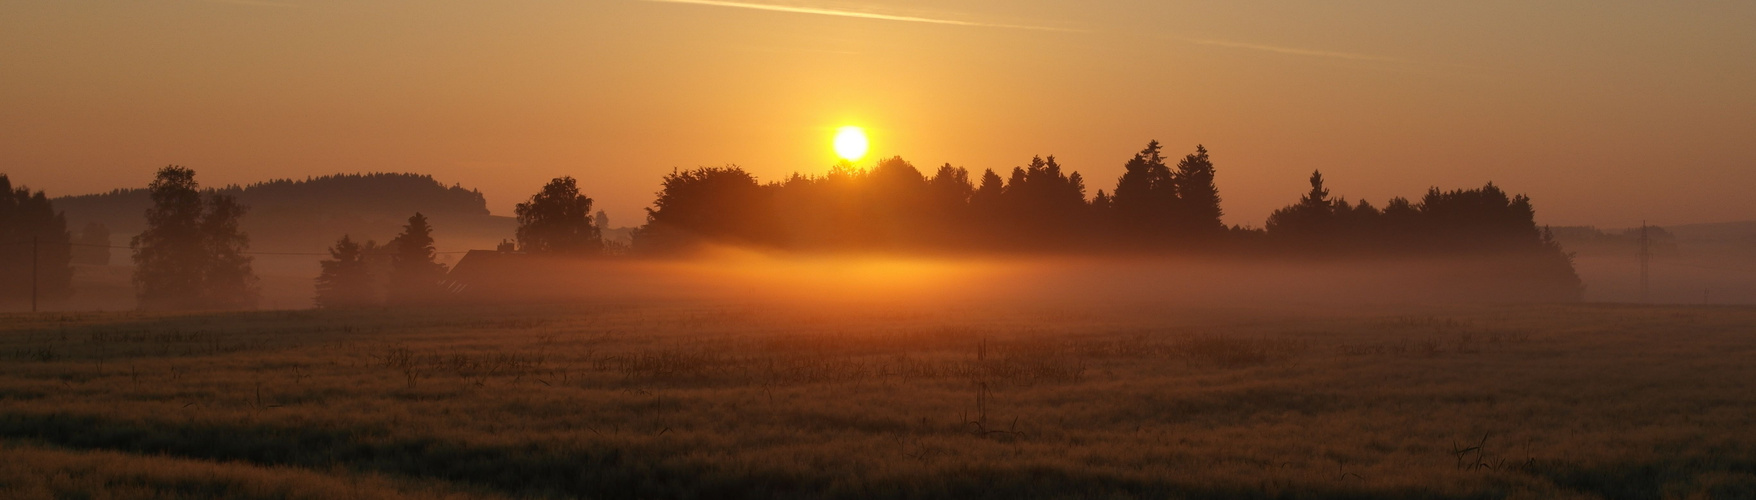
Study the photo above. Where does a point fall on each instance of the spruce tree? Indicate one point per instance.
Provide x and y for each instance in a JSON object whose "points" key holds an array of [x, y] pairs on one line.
{"points": [[987, 194], [1145, 197], [346, 280], [1312, 218], [415, 277], [1197, 195]]}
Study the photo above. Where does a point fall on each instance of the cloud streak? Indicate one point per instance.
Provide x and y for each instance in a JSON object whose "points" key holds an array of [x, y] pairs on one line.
{"points": [[855, 14], [253, 3], [1295, 51]]}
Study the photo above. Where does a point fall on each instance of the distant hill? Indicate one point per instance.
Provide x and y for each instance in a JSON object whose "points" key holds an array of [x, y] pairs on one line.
{"points": [[308, 215], [1692, 263], [1743, 231], [1591, 241], [1719, 238]]}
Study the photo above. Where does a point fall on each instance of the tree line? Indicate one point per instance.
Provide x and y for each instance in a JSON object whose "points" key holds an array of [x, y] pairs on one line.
{"points": [[556, 221], [193, 253], [1037, 207]]}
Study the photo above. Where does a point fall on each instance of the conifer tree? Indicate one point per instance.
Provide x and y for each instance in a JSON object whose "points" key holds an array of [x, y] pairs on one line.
{"points": [[1197, 195], [988, 193], [1311, 217], [951, 184], [345, 280], [415, 276], [1145, 197]]}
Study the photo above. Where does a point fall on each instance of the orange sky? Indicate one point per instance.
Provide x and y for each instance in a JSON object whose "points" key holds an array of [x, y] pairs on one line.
{"points": [[1605, 112]]}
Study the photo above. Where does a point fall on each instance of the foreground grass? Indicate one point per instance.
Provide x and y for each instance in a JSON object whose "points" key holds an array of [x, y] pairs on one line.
{"points": [[31, 473], [744, 400]]}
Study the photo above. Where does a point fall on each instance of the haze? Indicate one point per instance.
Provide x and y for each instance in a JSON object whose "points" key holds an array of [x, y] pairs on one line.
{"points": [[1606, 113]]}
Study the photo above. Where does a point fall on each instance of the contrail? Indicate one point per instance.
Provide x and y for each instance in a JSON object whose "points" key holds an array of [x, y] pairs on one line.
{"points": [[862, 15], [256, 3], [1295, 51]]}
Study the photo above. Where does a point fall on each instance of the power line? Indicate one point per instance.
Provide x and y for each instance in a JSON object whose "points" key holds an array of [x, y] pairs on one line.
{"points": [[1709, 268]]}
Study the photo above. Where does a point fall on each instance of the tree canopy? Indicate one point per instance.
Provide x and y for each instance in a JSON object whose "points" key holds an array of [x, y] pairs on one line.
{"points": [[192, 254], [558, 220]]}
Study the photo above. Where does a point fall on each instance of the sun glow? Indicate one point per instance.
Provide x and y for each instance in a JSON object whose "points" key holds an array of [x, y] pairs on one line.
{"points": [[850, 143]]}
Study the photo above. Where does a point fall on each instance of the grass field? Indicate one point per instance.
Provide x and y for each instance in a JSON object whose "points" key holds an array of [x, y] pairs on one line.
{"points": [[742, 400]]}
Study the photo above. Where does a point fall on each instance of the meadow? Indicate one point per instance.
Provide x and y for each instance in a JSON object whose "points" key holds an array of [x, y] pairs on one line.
{"points": [[729, 399]]}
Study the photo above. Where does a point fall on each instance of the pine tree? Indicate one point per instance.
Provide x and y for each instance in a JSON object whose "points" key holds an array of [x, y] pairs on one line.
{"points": [[346, 280], [415, 277], [1197, 195], [558, 220]]}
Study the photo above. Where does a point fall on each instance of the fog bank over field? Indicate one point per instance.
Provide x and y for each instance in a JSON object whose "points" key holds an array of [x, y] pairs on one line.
{"points": [[742, 275]]}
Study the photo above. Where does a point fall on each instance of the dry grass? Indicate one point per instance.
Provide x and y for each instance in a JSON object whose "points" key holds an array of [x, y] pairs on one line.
{"points": [[31, 473], [729, 400]]}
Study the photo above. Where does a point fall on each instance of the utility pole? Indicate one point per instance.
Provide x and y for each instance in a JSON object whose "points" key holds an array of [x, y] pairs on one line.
{"points": [[1645, 265], [33, 274]]}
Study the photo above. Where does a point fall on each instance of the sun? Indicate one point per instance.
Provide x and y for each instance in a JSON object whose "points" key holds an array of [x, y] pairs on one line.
{"points": [[850, 143]]}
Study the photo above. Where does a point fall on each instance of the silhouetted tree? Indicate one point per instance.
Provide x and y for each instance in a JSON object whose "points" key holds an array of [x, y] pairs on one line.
{"points": [[950, 191], [706, 204], [990, 190], [558, 220], [1311, 218], [987, 216], [415, 277], [346, 280], [191, 255], [379, 259], [1197, 197], [602, 220], [1145, 200], [293, 215], [1043, 206], [951, 187], [1486, 226], [1103, 203], [93, 245], [896, 207], [170, 256], [30, 225], [1479, 219], [229, 281]]}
